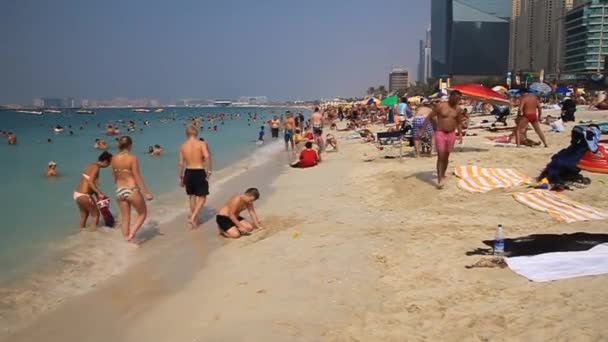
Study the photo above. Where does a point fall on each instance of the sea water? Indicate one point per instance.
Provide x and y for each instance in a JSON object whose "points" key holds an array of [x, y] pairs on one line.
{"points": [[38, 215]]}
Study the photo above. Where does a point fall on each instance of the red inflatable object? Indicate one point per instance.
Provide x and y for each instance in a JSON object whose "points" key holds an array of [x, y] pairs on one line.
{"points": [[597, 162]]}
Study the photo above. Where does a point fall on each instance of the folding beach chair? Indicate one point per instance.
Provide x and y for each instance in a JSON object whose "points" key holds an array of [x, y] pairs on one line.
{"points": [[388, 142]]}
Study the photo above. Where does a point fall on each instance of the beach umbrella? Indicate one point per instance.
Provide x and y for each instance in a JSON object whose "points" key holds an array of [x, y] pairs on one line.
{"points": [[500, 89], [372, 101], [562, 90], [415, 99], [390, 101], [513, 92], [540, 88], [479, 92]]}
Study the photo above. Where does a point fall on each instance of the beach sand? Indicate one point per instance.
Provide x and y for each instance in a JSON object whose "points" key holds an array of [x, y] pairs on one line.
{"points": [[359, 251]]}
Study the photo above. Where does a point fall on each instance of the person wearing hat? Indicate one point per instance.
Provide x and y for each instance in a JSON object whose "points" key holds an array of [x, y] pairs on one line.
{"points": [[51, 170]]}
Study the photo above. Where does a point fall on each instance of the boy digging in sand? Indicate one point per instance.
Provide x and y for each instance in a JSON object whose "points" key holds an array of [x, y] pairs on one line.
{"points": [[230, 223]]}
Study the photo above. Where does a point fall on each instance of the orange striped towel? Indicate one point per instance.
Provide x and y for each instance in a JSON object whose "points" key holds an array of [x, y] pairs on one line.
{"points": [[479, 179], [559, 206]]}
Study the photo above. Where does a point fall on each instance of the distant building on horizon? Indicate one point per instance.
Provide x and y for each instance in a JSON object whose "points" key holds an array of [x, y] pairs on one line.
{"points": [[51, 102], [425, 60], [38, 102], [470, 38], [253, 100], [398, 79], [70, 102]]}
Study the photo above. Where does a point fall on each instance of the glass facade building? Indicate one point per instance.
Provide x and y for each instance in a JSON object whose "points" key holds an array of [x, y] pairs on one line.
{"points": [[468, 40], [586, 37]]}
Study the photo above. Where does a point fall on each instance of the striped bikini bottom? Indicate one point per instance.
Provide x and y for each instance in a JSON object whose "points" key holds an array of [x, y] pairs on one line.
{"points": [[123, 193]]}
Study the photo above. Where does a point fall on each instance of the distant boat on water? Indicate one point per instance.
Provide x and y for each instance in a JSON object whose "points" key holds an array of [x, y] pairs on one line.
{"points": [[141, 110], [222, 103], [52, 111], [31, 112], [85, 111], [159, 110]]}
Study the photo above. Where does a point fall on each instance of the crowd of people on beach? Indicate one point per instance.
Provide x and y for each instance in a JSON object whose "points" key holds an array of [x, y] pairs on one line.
{"points": [[435, 126], [194, 169]]}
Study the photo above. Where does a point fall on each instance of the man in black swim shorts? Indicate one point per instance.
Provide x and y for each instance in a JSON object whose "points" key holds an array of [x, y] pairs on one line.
{"points": [[194, 153], [229, 221]]}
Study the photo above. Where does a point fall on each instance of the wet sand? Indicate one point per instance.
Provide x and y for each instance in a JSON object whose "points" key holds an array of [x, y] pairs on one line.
{"points": [[354, 251]]}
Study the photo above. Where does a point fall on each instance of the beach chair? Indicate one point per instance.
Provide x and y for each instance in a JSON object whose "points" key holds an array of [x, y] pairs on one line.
{"points": [[389, 142]]}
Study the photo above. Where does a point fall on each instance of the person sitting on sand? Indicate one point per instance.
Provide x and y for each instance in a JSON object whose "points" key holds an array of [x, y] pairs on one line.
{"points": [[51, 170], [309, 157], [331, 141], [230, 223], [11, 138], [309, 134]]}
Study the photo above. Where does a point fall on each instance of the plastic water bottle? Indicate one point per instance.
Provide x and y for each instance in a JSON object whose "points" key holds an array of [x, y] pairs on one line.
{"points": [[499, 241]]}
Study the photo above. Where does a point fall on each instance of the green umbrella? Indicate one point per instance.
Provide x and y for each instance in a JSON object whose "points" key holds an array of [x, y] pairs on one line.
{"points": [[390, 101]]}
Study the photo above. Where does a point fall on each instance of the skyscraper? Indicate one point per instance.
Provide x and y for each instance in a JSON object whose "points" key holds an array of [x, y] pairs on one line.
{"points": [[398, 80], [441, 36], [420, 74], [470, 37], [537, 34], [586, 37], [497, 8]]}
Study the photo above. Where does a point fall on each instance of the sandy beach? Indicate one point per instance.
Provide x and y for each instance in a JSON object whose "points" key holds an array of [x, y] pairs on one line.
{"points": [[354, 250]]}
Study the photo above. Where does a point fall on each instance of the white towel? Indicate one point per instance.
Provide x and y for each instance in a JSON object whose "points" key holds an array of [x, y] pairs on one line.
{"points": [[561, 265]]}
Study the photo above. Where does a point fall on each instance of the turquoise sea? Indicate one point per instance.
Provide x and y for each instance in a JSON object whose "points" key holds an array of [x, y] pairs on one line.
{"points": [[39, 216]]}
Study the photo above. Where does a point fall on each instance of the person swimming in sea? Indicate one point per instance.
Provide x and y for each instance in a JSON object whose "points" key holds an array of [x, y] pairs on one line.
{"points": [[11, 138], [87, 186], [101, 144], [51, 170], [228, 219]]}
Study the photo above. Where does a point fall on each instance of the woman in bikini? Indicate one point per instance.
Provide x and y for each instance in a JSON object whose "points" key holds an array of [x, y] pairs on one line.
{"points": [[130, 188], [83, 195]]}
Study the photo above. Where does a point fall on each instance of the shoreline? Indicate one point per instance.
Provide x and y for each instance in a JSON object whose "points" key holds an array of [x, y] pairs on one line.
{"points": [[355, 250], [43, 287]]}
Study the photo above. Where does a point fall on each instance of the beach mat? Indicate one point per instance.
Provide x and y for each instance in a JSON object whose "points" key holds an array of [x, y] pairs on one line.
{"points": [[559, 206], [561, 265], [535, 244], [479, 179]]}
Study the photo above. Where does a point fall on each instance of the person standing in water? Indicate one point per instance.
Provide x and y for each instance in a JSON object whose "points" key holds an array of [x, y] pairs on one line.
{"points": [[449, 119], [193, 154], [528, 110], [83, 195], [130, 188], [289, 125], [274, 127]]}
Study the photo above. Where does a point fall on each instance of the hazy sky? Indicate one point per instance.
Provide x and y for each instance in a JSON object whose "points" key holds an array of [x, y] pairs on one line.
{"points": [[166, 49]]}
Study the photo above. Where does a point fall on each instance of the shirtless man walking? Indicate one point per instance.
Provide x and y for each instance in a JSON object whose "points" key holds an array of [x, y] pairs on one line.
{"points": [[289, 126], [194, 153], [448, 117], [527, 109]]}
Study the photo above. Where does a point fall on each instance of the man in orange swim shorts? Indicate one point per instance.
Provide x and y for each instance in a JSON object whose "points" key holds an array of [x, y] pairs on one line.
{"points": [[449, 119]]}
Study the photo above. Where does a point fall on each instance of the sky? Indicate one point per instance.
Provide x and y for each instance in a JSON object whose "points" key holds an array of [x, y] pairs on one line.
{"points": [[283, 49]]}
